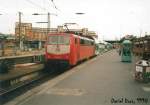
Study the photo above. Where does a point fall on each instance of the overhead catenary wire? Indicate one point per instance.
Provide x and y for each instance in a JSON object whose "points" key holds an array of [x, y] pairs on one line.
{"points": [[54, 4], [37, 5], [3, 10]]}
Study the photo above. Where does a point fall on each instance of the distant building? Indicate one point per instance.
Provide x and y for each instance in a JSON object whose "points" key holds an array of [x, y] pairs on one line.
{"points": [[29, 33], [31, 36], [23, 29], [7, 44], [141, 46], [36, 36]]}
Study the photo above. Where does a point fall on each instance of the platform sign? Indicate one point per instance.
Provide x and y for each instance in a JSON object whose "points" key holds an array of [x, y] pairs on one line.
{"points": [[139, 69]]}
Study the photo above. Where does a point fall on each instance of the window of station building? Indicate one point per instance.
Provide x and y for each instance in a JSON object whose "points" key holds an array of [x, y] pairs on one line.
{"points": [[141, 45], [137, 45], [147, 44]]}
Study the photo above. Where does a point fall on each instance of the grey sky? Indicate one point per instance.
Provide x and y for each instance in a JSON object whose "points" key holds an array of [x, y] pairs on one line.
{"points": [[111, 19]]}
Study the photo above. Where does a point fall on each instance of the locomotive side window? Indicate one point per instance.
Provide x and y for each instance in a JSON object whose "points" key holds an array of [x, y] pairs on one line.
{"points": [[82, 41], [92, 43], [86, 42], [58, 39], [76, 41]]}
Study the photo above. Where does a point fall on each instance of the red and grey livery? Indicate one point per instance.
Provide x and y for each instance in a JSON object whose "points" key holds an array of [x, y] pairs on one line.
{"points": [[68, 48]]}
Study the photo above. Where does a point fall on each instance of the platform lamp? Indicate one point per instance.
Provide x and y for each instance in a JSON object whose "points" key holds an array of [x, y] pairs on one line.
{"points": [[48, 23], [79, 13], [2, 44], [48, 19]]}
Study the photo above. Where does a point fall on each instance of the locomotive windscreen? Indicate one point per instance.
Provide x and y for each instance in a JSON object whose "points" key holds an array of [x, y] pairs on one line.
{"points": [[57, 39]]}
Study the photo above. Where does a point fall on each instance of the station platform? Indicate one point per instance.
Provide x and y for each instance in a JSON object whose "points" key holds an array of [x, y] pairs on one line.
{"points": [[7, 61], [21, 73], [21, 69], [23, 54], [103, 80]]}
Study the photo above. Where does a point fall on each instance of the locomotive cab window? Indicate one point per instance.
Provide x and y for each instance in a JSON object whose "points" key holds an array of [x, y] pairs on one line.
{"points": [[56, 39]]}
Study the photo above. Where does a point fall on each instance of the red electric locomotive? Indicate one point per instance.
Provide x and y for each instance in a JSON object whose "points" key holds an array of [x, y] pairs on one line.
{"points": [[68, 48]]}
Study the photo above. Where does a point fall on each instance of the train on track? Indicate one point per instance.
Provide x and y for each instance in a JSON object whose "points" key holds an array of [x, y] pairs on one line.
{"points": [[68, 48]]}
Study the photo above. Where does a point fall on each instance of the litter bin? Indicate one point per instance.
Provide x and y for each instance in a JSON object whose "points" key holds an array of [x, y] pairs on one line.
{"points": [[142, 71]]}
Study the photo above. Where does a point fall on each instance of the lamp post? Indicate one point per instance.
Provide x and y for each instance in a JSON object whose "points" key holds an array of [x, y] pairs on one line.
{"points": [[79, 13], [48, 24], [2, 44], [48, 19], [20, 36]]}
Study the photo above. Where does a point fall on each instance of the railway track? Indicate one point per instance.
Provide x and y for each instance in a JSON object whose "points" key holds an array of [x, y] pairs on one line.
{"points": [[11, 88], [37, 78], [9, 93], [2, 91]]}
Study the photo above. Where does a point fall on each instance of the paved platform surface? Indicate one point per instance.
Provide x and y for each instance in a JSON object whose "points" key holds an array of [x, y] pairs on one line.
{"points": [[103, 80]]}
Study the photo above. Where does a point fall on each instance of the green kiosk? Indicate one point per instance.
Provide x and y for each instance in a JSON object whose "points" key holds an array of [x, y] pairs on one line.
{"points": [[126, 54]]}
